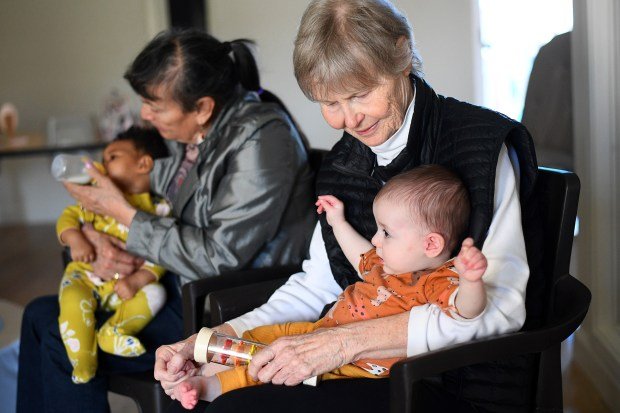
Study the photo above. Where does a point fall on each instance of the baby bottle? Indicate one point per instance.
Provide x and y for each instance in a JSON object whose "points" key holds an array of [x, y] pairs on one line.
{"points": [[214, 347], [70, 168]]}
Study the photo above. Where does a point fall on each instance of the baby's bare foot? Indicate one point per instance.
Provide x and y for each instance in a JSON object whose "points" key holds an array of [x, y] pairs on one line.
{"points": [[187, 394]]}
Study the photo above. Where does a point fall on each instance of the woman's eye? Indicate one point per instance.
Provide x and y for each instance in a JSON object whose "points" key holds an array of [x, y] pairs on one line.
{"points": [[361, 95]]}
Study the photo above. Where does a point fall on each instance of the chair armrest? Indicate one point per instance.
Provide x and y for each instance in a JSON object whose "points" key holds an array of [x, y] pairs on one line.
{"points": [[195, 292], [406, 374], [234, 302]]}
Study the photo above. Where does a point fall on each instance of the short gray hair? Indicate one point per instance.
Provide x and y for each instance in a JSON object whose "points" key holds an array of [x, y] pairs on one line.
{"points": [[344, 45]]}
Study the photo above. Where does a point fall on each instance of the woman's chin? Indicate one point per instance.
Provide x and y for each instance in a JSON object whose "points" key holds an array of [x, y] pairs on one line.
{"points": [[374, 139]]}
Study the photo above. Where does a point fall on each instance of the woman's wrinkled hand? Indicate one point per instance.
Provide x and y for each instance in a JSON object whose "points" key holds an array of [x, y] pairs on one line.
{"points": [[290, 360], [111, 257], [175, 363], [103, 198]]}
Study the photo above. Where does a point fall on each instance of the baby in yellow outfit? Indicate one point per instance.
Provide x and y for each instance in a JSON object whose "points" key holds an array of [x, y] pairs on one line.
{"points": [[134, 298]]}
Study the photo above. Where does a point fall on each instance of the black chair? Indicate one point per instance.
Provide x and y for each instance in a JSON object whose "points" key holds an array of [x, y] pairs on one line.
{"points": [[568, 302]]}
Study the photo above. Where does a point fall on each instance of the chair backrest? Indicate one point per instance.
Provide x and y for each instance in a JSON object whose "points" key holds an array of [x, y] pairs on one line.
{"points": [[559, 197]]}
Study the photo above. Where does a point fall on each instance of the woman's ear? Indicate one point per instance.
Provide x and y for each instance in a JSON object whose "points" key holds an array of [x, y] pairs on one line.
{"points": [[204, 110], [145, 164], [401, 43], [434, 244]]}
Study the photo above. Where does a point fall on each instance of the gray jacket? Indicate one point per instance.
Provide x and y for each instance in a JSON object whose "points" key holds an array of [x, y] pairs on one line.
{"points": [[247, 202]]}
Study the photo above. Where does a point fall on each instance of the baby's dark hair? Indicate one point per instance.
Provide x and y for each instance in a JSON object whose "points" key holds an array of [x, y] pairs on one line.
{"points": [[437, 199], [146, 141]]}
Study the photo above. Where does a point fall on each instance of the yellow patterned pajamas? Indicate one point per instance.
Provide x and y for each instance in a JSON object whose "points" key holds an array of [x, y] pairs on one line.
{"points": [[82, 293]]}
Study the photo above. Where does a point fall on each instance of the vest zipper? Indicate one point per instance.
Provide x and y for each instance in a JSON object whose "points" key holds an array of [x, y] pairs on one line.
{"points": [[358, 174]]}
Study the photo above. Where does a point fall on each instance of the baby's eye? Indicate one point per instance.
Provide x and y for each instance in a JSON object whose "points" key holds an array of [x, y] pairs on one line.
{"points": [[386, 234]]}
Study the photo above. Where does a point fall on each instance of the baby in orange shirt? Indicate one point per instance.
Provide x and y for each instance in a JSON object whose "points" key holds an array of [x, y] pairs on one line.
{"points": [[420, 215]]}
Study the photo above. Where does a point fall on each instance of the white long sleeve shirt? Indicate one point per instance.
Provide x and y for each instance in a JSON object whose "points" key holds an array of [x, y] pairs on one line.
{"points": [[305, 294]]}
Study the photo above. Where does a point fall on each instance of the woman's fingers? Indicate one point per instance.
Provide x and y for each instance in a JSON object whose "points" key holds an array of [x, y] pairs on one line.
{"points": [[162, 357], [110, 258], [162, 372], [94, 172], [103, 198], [290, 360], [184, 354], [260, 360], [76, 191]]}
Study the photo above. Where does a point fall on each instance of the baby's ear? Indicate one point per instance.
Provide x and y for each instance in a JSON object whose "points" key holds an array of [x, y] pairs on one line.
{"points": [[145, 164], [434, 244]]}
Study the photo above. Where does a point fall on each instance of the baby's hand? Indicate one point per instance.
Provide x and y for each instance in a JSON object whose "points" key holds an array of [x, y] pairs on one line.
{"points": [[82, 250], [471, 262], [333, 208], [125, 288]]}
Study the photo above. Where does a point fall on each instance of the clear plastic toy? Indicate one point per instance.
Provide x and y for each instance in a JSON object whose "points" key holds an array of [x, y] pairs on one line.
{"points": [[213, 347]]}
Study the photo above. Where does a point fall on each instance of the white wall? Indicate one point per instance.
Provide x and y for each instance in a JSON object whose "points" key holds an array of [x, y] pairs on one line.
{"points": [[62, 57], [445, 30]]}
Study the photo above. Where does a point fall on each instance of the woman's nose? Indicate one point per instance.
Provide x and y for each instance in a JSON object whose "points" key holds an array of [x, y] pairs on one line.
{"points": [[351, 117]]}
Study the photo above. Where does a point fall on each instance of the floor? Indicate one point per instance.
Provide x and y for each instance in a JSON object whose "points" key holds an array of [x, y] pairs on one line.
{"points": [[31, 266]]}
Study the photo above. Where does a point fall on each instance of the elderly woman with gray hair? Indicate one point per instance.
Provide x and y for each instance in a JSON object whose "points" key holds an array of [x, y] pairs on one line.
{"points": [[357, 59]]}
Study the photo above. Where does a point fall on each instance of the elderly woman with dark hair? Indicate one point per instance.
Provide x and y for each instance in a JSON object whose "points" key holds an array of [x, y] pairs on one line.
{"points": [[356, 58], [241, 193]]}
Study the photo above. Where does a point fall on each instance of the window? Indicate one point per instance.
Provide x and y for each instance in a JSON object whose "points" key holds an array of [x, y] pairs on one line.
{"points": [[511, 33]]}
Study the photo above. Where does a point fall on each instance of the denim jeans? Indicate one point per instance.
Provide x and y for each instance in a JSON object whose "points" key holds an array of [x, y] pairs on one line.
{"points": [[44, 377]]}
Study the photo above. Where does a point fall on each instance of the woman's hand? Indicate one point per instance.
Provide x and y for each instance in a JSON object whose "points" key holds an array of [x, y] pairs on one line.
{"points": [[290, 360], [111, 257], [103, 198], [175, 362]]}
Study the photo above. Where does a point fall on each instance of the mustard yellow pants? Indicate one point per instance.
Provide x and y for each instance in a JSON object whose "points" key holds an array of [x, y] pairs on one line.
{"points": [[238, 377], [80, 296]]}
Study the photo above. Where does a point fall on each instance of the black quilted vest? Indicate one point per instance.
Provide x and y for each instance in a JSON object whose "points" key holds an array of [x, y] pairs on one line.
{"points": [[467, 139]]}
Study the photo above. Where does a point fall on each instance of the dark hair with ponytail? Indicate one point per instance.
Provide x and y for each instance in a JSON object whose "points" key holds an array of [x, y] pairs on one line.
{"points": [[190, 65]]}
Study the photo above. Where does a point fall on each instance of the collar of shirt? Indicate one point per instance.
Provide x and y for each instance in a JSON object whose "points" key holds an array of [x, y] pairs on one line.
{"points": [[389, 149]]}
